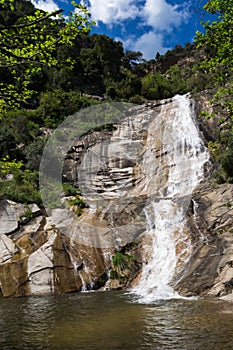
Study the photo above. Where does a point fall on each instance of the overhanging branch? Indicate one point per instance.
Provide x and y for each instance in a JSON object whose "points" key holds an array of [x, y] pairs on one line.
{"points": [[24, 25]]}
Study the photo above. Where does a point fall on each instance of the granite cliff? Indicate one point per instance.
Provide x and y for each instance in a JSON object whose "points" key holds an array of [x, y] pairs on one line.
{"points": [[120, 171]]}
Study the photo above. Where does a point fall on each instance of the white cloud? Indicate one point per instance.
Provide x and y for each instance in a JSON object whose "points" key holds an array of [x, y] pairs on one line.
{"points": [[155, 13], [45, 5], [163, 16], [157, 16], [112, 11], [149, 43]]}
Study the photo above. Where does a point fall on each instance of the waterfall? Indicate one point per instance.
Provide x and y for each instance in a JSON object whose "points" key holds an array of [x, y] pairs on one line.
{"points": [[165, 213]]}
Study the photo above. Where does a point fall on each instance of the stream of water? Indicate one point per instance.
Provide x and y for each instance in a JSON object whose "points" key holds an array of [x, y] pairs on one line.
{"points": [[113, 321], [166, 214]]}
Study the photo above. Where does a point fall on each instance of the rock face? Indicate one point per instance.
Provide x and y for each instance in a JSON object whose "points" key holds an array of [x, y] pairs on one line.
{"points": [[210, 269], [39, 258], [119, 172], [9, 220], [62, 253]]}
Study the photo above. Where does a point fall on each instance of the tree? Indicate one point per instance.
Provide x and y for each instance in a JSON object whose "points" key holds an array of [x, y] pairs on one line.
{"points": [[28, 40], [218, 45], [110, 54], [132, 58]]}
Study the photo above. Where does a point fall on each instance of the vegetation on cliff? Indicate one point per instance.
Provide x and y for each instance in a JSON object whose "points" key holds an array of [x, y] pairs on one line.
{"points": [[218, 63]]}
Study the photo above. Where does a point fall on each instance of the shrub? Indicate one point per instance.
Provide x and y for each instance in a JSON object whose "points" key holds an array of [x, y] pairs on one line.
{"points": [[56, 106], [78, 204]]}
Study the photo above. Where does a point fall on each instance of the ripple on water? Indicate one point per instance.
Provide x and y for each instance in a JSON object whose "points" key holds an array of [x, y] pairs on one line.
{"points": [[111, 321]]}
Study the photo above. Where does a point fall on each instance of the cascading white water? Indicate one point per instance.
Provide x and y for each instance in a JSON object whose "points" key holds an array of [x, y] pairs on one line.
{"points": [[165, 214]]}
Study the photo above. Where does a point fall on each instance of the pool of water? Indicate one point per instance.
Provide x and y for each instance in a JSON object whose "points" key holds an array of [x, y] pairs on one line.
{"points": [[113, 320]]}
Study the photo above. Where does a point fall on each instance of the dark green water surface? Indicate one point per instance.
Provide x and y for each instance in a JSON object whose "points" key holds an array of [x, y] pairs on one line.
{"points": [[113, 320]]}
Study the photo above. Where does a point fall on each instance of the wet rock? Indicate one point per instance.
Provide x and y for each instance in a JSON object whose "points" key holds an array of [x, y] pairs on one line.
{"points": [[113, 285]]}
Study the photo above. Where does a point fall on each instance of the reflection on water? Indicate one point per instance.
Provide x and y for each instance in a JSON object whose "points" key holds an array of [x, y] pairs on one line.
{"points": [[112, 320]]}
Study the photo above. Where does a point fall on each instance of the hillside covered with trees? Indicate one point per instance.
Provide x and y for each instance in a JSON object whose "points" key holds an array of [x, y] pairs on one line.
{"points": [[50, 69]]}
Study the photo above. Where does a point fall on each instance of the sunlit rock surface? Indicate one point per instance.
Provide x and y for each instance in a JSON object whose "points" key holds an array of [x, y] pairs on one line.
{"points": [[210, 268], [119, 173], [39, 258]]}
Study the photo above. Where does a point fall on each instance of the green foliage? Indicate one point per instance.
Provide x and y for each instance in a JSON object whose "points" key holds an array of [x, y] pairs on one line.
{"points": [[119, 260], [217, 39], [131, 58], [223, 153], [8, 167], [218, 46], [77, 201], [137, 99], [8, 144], [206, 115], [27, 214], [219, 177], [33, 153], [70, 190], [18, 130], [122, 260], [122, 264], [22, 124], [28, 39], [23, 187], [228, 204], [157, 86], [77, 204], [176, 80], [226, 160], [56, 106], [50, 193], [214, 148]]}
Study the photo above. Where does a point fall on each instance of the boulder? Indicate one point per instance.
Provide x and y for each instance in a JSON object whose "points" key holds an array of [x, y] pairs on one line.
{"points": [[8, 217], [7, 248]]}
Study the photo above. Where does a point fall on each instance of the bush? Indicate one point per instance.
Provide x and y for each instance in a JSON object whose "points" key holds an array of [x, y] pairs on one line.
{"points": [[23, 188], [78, 204], [8, 144], [33, 153], [119, 260], [226, 160], [137, 99], [70, 190], [56, 106]]}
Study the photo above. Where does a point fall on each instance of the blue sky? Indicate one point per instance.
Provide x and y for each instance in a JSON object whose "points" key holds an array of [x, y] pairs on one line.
{"points": [[149, 26]]}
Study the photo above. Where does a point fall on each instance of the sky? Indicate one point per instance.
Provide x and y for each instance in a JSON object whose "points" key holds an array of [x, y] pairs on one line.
{"points": [[149, 26]]}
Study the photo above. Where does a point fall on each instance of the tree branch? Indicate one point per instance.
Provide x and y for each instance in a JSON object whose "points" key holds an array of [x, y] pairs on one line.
{"points": [[30, 60], [21, 59], [24, 25]]}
